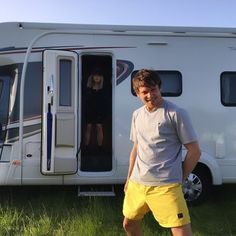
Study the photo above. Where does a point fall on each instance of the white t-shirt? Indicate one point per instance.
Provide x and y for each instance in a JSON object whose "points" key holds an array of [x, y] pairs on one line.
{"points": [[160, 135]]}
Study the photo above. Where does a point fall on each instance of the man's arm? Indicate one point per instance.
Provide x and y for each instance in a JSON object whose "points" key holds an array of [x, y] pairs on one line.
{"points": [[132, 159], [191, 158]]}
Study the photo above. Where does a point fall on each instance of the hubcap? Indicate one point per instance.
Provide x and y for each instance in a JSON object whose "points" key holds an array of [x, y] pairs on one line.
{"points": [[192, 187]]}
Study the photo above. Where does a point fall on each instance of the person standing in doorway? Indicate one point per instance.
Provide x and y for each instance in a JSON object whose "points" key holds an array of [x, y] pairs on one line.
{"points": [[156, 172], [95, 109]]}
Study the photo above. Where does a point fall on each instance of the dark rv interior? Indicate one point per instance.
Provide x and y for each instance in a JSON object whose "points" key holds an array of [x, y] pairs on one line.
{"points": [[96, 158]]}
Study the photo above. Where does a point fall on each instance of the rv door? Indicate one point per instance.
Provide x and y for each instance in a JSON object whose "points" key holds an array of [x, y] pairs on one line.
{"points": [[59, 131]]}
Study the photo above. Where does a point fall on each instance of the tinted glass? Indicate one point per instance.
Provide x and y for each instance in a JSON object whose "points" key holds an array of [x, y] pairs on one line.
{"points": [[171, 83], [65, 82], [228, 88]]}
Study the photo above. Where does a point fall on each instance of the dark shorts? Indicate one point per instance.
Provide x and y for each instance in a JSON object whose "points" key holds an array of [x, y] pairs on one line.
{"points": [[94, 117]]}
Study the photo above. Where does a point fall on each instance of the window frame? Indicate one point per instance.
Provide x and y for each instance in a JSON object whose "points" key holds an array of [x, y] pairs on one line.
{"points": [[70, 107], [160, 73], [222, 90], [61, 81], [5, 90]]}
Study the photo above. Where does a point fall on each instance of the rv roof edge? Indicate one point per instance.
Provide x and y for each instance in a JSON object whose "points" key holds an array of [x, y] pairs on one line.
{"points": [[119, 28]]}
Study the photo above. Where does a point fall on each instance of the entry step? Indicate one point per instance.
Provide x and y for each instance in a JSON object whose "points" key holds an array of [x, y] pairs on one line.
{"points": [[96, 190]]}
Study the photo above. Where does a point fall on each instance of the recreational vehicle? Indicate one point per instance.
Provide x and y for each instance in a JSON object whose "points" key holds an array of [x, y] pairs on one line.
{"points": [[44, 72]]}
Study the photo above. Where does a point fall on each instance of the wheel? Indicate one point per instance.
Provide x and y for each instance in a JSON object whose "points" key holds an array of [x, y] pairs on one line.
{"points": [[197, 186]]}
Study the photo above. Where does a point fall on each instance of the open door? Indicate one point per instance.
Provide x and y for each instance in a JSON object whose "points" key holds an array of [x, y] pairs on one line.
{"points": [[59, 130]]}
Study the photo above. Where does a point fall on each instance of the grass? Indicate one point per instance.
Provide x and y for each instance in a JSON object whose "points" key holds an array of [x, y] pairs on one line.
{"points": [[216, 216], [57, 211]]}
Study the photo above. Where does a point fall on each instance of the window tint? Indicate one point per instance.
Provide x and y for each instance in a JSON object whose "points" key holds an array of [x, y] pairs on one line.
{"points": [[4, 103], [171, 83], [1, 86], [228, 88], [65, 82]]}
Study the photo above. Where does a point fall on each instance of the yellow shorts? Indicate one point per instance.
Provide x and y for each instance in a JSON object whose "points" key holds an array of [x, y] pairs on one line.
{"points": [[166, 202]]}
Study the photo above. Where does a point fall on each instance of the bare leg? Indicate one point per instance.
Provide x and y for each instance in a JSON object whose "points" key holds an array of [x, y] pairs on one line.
{"points": [[132, 227], [184, 230], [88, 130], [99, 134]]}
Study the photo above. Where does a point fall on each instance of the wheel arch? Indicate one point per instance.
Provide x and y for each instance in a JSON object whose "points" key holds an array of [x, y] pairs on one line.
{"points": [[210, 167]]}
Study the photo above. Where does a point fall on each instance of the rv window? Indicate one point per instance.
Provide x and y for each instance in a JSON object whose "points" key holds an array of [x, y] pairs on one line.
{"points": [[65, 82], [171, 83], [1, 85], [4, 103], [228, 87]]}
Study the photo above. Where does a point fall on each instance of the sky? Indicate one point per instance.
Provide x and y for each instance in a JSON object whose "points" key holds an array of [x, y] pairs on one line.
{"points": [[209, 13]]}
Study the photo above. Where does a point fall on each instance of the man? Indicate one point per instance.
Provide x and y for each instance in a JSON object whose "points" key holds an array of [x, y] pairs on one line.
{"points": [[158, 131]]}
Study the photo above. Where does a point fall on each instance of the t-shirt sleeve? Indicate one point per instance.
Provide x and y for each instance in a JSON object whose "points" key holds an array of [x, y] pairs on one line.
{"points": [[185, 128]]}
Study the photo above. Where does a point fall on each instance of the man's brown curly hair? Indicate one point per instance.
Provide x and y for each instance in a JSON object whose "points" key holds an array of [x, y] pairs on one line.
{"points": [[146, 78]]}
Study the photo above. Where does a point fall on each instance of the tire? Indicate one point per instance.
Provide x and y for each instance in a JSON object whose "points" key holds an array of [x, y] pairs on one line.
{"points": [[197, 186]]}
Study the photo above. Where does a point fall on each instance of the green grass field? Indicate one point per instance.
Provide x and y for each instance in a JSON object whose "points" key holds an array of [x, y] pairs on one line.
{"points": [[58, 211]]}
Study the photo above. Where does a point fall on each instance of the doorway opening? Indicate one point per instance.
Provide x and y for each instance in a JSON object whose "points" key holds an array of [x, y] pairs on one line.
{"points": [[96, 113]]}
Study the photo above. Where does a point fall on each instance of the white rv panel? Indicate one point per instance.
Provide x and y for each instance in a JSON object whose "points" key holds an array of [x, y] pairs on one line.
{"points": [[42, 128]]}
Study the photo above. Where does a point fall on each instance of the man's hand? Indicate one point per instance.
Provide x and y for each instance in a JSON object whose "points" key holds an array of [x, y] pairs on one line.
{"points": [[191, 159]]}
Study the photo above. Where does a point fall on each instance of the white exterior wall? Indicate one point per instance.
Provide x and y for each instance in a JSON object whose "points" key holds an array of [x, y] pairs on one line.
{"points": [[200, 58]]}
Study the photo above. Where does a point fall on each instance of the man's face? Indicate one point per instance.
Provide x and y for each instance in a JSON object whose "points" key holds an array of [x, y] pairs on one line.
{"points": [[150, 96]]}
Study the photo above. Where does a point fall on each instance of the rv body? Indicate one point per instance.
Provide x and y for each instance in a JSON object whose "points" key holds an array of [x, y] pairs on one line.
{"points": [[44, 70]]}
